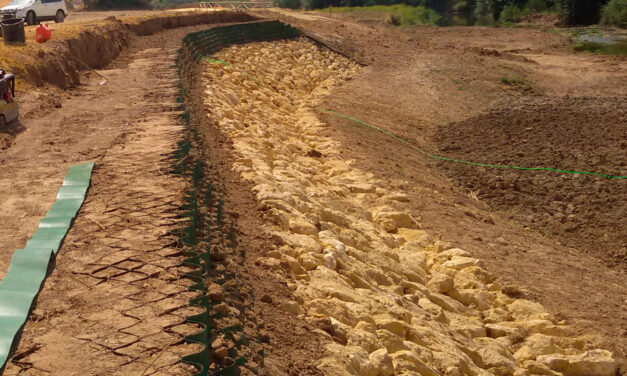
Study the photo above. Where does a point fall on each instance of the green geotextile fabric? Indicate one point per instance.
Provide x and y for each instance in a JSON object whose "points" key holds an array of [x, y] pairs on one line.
{"points": [[206, 42], [29, 266]]}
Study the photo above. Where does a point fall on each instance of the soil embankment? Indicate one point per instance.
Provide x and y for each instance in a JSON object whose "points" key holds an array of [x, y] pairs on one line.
{"points": [[339, 231], [94, 44]]}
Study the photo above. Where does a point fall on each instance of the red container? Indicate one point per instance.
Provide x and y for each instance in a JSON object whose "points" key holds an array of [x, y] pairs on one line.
{"points": [[43, 33]]}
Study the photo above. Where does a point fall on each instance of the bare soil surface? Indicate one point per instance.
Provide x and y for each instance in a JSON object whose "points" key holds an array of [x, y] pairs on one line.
{"points": [[417, 80], [116, 302], [577, 134]]}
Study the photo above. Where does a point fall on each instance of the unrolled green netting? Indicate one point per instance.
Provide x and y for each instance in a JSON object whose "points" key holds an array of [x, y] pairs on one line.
{"points": [[29, 266]]}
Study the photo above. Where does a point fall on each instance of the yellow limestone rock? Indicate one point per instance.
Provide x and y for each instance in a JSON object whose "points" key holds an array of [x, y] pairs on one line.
{"points": [[459, 262], [498, 362], [309, 261], [302, 226], [418, 236], [391, 219], [391, 341], [382, 362], [495, 315], [440, 283], [346, 360], [291, 307], [293, 265], [496, 331], [590, 363], [405, 360], [522, 309], [481, 299], [365, 339]]}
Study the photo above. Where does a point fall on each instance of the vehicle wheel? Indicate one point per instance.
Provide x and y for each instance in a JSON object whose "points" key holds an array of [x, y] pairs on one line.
{"points": [[31, 18], [60, 16]]}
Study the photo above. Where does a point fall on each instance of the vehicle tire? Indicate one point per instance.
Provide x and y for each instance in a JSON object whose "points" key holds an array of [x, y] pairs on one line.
{"points": [[31, 18], [3, 122], [60, 17]]}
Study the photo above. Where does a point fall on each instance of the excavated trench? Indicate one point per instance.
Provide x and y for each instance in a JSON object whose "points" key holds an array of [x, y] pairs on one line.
{"points": [[383, 296], [302, 264], [60, 62]]}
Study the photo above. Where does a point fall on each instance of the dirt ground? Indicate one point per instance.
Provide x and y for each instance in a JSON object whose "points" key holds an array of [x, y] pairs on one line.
{"points": [[116, 302], [419, 80], [113, 303], [578, 134], [415, 83]]}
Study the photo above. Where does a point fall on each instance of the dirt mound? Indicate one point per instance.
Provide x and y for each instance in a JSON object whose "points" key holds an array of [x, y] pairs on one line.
{"points": [[582, 134]]}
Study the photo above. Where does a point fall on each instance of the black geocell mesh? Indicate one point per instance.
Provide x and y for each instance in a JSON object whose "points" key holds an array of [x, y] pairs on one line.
{"points": [[196, 47]]}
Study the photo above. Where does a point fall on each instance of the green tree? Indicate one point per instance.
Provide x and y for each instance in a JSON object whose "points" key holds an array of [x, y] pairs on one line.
{"points": [[583, 12], [291, 4], [511, 13], [615, 13], [536, 6], [484, 12]]}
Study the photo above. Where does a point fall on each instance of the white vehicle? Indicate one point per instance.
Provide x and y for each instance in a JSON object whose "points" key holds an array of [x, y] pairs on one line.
{"points": [[34, 11]]}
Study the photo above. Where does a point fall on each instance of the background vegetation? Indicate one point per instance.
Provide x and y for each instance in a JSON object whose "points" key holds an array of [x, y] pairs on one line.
{"points": [[441, 12], [117, 4], [398, 14], [482, 12], [615, 13]]}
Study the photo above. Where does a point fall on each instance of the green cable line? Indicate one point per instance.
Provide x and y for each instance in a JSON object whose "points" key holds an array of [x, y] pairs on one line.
{"points": [[215, 61], [387, 133]]}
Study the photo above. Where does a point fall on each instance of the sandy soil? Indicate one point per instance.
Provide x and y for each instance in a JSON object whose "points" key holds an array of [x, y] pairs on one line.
{"points": [[113, 303], [117, 289], [420, 79]]}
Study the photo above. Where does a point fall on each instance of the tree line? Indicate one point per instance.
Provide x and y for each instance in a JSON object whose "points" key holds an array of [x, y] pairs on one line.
{"points": [[575, 12]]}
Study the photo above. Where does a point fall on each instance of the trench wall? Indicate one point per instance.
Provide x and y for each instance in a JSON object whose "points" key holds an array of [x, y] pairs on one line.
{"points": [[59, 62]]}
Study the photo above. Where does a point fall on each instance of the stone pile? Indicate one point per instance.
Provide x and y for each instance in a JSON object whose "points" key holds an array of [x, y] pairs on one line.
{"points": [[390, 298]]}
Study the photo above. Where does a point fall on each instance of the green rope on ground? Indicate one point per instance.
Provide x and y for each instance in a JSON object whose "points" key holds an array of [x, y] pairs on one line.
{"points": [[387, 133], [215, 61]]}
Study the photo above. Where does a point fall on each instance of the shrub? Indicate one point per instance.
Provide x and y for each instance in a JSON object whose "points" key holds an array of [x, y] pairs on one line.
{"points": [[393, 19], [510, 13], [398, 15], [117, 4], [582, 12], [615, 13], [291, 4], [536, 6], [484, 12]]}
